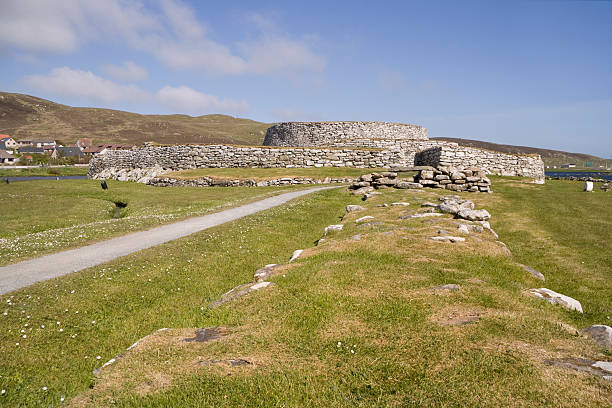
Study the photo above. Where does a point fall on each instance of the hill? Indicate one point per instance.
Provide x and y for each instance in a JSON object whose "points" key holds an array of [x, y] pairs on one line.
{"points": [[550, 157], [27, 116]]}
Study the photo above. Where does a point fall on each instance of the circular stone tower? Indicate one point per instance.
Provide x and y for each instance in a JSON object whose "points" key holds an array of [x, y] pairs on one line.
{"points": [[335, 133]]}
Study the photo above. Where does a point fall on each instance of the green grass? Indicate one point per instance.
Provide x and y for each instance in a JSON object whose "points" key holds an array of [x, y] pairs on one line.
{"points": [[44, 171], [273, 173], [372, 296], [45, 216], [564, 233]]}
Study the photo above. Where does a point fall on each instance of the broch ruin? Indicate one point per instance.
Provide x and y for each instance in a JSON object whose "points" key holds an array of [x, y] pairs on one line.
{"points": [[315, 144]]}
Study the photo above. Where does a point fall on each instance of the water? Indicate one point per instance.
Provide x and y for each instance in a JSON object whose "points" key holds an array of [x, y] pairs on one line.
{"points": [[579, 174], [27, 178]]}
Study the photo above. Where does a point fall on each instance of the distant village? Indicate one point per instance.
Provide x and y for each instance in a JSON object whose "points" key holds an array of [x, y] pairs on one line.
{"points": [[42, 151]]}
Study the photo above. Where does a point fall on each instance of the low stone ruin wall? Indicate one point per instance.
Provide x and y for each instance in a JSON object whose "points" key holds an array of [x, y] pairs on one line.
{"points": [[213, 182], [449, 178], [461, 157], [181, 157], [470, 179], [327, 133]]}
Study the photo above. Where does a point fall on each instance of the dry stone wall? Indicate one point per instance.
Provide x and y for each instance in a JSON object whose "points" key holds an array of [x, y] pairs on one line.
{"points": [[330, 133], [461, 157], [318, 144], [190, 157]]}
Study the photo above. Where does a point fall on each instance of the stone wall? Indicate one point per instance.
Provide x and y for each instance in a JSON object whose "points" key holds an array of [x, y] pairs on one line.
{"points": [[461, 157], [331, 133], [182, 157], [216, 182]]}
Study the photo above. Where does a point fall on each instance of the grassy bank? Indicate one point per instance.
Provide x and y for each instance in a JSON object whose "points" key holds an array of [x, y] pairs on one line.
{"points": [[44, 171], [43, 216], [350, 323]]}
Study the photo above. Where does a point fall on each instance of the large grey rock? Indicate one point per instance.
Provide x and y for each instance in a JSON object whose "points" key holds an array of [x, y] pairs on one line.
{"points": [[448, 207], [556, 298], [352, 207], [600, 334], [474, 215], [407, 185], [333, 227], [296, 254]]}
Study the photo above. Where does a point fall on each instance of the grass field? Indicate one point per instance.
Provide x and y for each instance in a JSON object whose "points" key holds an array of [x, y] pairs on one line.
{"points": [[273, 173], [44, 171], [43, 216], [350, 323]]}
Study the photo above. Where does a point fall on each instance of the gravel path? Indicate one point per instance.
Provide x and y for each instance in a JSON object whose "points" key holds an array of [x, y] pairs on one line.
{"points": [[22, 274]]}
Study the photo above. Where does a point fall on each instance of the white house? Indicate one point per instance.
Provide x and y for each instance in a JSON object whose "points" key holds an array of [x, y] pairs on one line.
{"points": [[6, 158], [8, 141]]}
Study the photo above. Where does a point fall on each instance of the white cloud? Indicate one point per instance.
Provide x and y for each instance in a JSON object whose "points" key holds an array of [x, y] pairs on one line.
{"points": [[187, 100], [127, 72], [171, 32], [61, 26], [84, 84]]}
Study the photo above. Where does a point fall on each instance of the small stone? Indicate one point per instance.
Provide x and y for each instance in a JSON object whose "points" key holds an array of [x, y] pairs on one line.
{"points": [[420, 215], [333, 227], [364, 218], [474, 215], [532, 271], [400, 204], [356, 237], [408, 185], [449, 286], [601, 334], [448, 238], [352, 207], [463, 228], [556, 298], [296, 254]]}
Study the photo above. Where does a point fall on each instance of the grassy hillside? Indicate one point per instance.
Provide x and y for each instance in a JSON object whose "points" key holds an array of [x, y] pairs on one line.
{"points": [[550, 157], [27, 116]]}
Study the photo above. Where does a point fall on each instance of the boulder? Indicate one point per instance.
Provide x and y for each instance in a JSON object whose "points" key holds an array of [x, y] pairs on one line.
{"points": [[352, 207], [389, 174], [334, 227], [386, 181], [600, 334], [449, 207], [296, 254], [556, 298], [408, 185], [473, 215], [366, 178]]}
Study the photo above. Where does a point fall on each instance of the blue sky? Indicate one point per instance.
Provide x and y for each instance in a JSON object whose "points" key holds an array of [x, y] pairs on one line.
{"points": [[526, 73]]}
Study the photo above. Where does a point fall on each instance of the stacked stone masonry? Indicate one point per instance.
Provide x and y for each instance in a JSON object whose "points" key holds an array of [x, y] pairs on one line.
{"points": [[322, 144], [493, 162], [328, 133], [190, 157]]}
